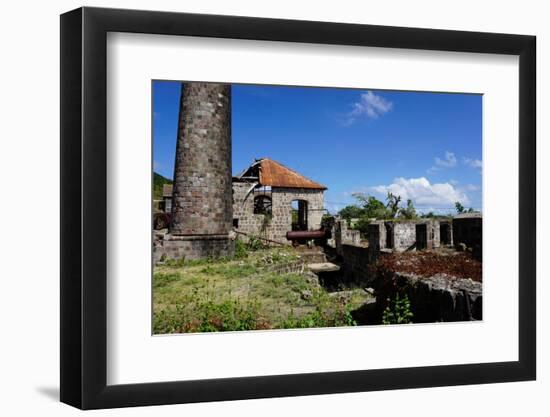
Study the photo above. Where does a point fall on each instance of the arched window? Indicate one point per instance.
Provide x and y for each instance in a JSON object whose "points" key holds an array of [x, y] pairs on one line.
{"points": [[262, 204]]}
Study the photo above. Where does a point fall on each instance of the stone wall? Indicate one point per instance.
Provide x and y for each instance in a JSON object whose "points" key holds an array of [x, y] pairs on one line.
{"points": [[356, 262], [404, 235], [293, 267], [191, 247], [401, 235], [341, 234], [281, 219], [376, 234], [438, 298]]}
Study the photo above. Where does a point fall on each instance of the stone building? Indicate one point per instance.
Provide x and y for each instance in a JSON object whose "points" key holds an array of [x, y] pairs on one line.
{"points": [[270, 200]]}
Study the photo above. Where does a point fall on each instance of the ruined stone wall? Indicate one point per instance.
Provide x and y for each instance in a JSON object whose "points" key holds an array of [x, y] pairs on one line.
{"points": [[281, 219], [350, 235], [341, 235], [404, 235], [356, 260], [376, 234], [439, 298], [436, 233]]}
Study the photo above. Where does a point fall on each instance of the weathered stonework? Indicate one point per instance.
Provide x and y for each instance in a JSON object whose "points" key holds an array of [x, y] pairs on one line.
{"points": [[202, 206], [357, 261], [280, 222], [434, 299], [404, 235], [191, 247], [341, 235]]}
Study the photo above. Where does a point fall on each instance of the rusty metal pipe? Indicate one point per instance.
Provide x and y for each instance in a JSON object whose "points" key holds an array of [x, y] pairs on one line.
{"points": [[306, 234]]}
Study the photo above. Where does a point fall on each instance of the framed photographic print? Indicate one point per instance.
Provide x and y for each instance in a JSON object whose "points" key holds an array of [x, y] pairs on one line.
{"points": [[257, 208]]}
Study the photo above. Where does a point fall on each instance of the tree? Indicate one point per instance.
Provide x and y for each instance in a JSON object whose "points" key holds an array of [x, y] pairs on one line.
{"points": [[409, 212], [393, 204], [459, 207], [351, 212], [362, 225], [372, 207]]}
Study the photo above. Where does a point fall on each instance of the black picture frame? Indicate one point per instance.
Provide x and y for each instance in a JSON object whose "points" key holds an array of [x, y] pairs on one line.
{"points": [[84, 207]]}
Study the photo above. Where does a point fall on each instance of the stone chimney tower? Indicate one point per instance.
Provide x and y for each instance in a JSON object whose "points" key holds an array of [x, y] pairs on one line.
{"points": [[202, 208]]}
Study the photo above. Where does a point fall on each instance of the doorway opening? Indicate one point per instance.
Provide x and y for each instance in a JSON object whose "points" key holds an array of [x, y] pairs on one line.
{"points": [[299, 215]]}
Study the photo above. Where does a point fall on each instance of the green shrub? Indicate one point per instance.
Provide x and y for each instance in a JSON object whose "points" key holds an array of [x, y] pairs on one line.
{"points": [[398, 311], [241, 251], [255, 244]]}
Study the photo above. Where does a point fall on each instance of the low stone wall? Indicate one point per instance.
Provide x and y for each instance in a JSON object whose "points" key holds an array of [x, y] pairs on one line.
{"points": [[439, 298], [166, 246], [293, 267]]}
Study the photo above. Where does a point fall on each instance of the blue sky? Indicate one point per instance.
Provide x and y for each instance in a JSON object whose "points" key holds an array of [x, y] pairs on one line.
{"points": [[422, 146]]}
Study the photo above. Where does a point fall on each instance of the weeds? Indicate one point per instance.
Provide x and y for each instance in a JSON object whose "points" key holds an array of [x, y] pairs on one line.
{"points": [[398, 311]]}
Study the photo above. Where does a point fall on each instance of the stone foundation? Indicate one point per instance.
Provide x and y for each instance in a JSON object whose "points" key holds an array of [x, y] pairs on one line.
{"points": [[192, 247]]}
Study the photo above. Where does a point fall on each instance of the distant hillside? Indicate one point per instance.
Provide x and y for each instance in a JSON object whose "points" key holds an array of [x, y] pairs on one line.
{"points": [[158, 182]]}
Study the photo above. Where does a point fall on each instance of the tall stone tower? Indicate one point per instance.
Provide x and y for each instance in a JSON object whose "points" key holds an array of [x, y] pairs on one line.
{"points": [[202, 209]]}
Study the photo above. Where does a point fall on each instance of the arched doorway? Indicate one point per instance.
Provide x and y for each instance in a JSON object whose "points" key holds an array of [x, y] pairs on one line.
{"points": [[299, 215]]}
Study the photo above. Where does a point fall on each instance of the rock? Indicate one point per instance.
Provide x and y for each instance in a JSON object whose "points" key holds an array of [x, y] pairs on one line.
{"points": [[461, 247], [342, 296], [369, 290], [306, 295]]}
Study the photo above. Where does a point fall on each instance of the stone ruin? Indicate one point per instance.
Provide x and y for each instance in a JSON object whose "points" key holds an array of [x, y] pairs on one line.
{"points": [[435, 298]]}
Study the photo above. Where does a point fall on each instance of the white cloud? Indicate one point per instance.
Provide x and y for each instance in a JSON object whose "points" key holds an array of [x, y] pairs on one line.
{"points": [[156, 165], [472, 187], [423, 193], [370, 105], [449, 161], [474, 163]]}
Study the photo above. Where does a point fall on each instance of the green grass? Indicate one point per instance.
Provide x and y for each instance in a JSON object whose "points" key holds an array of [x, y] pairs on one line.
{"points": [[240, 294]]}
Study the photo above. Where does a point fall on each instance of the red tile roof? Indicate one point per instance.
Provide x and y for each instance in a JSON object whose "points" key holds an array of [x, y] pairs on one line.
{"points": [[274, 174]]}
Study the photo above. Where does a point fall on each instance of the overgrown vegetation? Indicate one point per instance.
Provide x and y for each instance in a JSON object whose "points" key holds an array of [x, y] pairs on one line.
{"points": [[370, 208], [242, 294], [461, 209], [398, 311]]}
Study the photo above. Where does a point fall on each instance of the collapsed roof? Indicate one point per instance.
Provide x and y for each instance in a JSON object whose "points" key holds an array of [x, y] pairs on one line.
{"points": [[267, 172]]}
